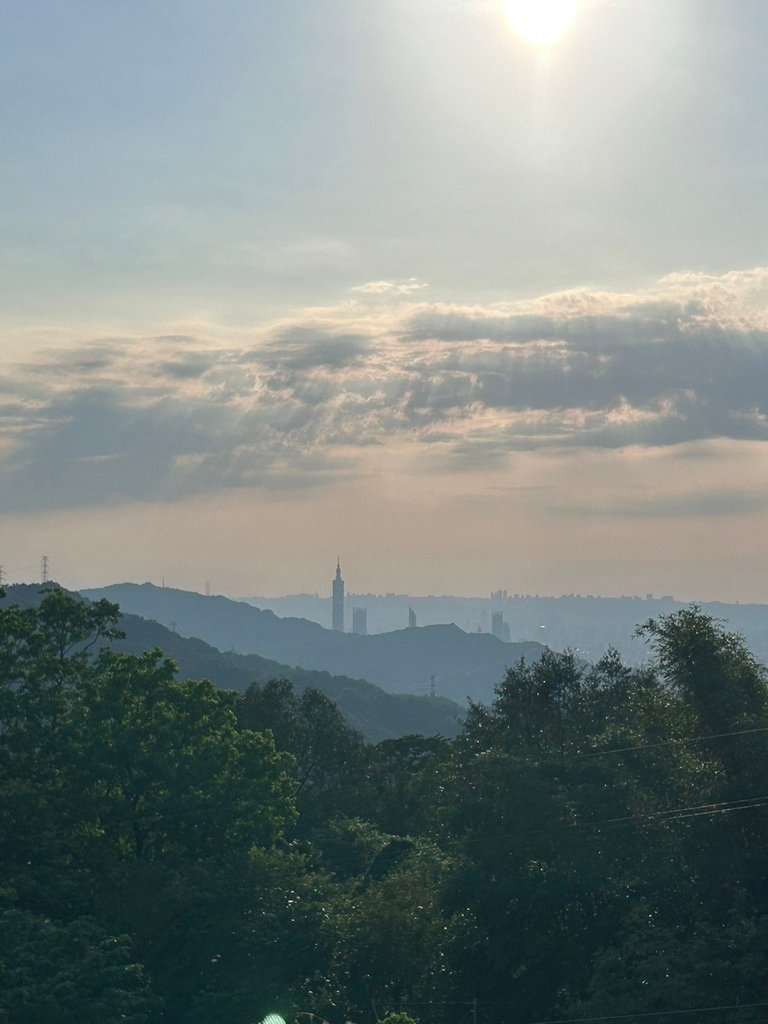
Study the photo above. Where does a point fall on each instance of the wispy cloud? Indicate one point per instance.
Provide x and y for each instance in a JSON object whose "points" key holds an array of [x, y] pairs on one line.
{"points": [[170, 416], [402, 287]]}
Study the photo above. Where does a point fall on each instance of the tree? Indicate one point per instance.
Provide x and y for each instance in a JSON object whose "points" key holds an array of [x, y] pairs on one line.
{"points": [[327, 754], [398, 1018], [714, 674], [401, 787], [70, 972], [45, 650], [395, 938], [130, 804], [709, 667], [552, 797], [533, 705]]}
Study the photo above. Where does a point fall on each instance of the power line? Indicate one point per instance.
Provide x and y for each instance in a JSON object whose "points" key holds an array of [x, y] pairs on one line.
{"points": [[671, 814], [652, 1013], [719, 807], [16, 571], [559, 758], [665, 743], [682, 741], [594, 1020]]}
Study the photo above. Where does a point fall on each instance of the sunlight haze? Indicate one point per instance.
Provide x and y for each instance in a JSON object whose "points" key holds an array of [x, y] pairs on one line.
{"points": [[473, 294], [542, 22]]}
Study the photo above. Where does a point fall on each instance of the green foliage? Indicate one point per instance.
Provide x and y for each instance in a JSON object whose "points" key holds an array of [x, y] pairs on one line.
{"points": [[710, 668], [563, 797], [69, 972], [396, 936], [309, 726], [172, 852], [398, 1018], [127, 799], [327, 755], [401, 787]]}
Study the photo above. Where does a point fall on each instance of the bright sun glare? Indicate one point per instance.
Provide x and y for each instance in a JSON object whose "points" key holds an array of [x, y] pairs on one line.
{"points": [[542, 22]]}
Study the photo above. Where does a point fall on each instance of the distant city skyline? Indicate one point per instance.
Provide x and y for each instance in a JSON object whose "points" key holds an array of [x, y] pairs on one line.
{"points": [[337, 596], [338, 593]]}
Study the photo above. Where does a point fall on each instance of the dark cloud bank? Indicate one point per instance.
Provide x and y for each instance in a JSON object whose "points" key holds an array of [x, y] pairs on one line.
{"points": [[164, 418]]}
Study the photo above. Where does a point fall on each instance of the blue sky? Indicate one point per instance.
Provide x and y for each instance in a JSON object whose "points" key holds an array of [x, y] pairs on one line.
{"points": [[271, 266]]}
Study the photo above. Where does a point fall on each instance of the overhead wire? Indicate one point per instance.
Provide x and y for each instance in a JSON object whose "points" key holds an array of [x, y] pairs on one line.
{"points": [[670, 814], [652, 1013], [664, 743], [598, 1019]]}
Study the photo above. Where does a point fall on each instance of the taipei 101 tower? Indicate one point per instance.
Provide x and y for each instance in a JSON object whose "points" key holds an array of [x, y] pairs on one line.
{"points": [[338, 600]]}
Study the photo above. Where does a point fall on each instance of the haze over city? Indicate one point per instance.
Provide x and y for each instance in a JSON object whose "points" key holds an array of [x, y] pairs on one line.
{"points": [[473, 301]]}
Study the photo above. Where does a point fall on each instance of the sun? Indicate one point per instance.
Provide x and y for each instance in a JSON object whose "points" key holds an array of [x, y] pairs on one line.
{"points": [[541, 22]]}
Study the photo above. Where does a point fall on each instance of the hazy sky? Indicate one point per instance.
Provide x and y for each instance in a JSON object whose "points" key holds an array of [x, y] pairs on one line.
{"points": [[287, 279]]}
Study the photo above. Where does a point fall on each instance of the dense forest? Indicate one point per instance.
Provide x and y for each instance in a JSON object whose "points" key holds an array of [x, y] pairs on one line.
{"points": [[592, 845]]}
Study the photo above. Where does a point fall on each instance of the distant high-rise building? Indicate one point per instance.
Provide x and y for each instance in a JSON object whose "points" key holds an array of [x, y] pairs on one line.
{"points": [[338, 600], [499, 627], [411, 616], [360, 621]]}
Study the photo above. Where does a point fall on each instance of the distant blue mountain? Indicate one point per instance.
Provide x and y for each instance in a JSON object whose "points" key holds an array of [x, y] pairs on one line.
{"points": [[376, 714], [466, 666]]}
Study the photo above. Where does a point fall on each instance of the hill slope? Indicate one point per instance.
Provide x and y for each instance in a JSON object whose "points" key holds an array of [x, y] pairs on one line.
{"points": [[466, 665], [369, 709]]}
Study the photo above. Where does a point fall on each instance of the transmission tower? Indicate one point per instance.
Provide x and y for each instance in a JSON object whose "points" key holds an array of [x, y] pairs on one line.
{"points": [[2, 576], [44, 568]]}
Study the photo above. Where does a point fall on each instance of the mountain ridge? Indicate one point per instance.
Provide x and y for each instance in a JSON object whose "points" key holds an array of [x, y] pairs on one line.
{"points": [[467, 666], [371, 710]]}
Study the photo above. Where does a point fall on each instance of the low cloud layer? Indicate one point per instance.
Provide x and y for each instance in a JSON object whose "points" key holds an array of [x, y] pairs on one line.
{"points": [[311, 398]]}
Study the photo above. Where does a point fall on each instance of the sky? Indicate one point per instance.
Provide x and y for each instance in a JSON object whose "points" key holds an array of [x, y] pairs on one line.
{"points": [[284, 280]]}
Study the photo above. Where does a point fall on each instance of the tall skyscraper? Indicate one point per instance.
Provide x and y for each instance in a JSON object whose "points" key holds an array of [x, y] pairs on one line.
{"points": [[499, 627], [360, 621], [411, 617], [338, 600]]}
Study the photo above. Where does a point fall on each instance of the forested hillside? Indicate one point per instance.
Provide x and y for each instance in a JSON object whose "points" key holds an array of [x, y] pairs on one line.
{"points": [[369, 709], [592, 845], [464, 665]]}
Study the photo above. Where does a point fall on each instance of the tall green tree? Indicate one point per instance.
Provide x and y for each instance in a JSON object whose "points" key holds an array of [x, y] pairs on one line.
{"points": [[133, 801], [327, 754], [710, 668]]}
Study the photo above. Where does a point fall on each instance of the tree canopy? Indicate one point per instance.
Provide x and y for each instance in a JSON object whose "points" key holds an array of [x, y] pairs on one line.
{"points": [[591, 845]]}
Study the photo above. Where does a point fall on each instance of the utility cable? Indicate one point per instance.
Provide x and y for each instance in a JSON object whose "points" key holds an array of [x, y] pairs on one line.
{"points": [[665, 743], [670, 814], [651, 1013]]}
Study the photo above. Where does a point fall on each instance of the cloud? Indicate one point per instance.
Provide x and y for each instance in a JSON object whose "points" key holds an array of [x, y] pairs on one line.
{"points": [[313, 398], [403, 287], [697, 503]]}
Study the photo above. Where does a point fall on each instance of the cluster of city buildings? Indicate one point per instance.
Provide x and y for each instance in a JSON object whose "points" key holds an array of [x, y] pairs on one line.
{"points": [[498, 626], [359, 614]]}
